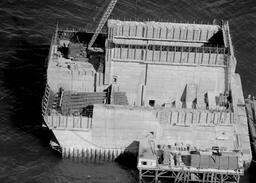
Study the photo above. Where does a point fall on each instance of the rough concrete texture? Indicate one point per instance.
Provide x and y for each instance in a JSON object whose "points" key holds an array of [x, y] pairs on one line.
{"points": [[165, 56], [116, 127], [74, 139], [110, 123], [148, 71], [163, 83], [151, 72], [74, 76], [162, 30], [68, 122], [241, 124]]}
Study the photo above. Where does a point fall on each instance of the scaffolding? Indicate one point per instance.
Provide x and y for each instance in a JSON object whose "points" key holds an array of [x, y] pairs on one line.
{"points": [[159, 175]]}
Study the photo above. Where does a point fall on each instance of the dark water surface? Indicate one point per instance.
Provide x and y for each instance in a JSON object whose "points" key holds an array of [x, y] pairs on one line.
{"points": [[26, 27]]}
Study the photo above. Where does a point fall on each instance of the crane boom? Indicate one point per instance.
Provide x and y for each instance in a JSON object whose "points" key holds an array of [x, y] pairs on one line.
{"points": [[103, 20]]}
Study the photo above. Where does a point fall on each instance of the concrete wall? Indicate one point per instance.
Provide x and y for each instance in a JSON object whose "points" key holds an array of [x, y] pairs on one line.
{"points": [[168, 55], [120, 126], [68, 122], [161, 30], [163, 83], [78, 76], [70, 80], [160, 72], [195, 117], [130, 78]]}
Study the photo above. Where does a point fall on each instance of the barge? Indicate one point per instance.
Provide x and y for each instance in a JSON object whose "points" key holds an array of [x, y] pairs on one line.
{"points": [[170, 87]]}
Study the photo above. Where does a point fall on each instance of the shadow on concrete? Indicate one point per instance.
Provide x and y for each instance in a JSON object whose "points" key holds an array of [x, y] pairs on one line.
{"points": [[216, 40], [130, 155], [85, 37]]}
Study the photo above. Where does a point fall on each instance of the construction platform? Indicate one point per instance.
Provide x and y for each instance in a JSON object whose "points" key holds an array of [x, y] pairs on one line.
{"points": [[185, 163], [170, 86]]}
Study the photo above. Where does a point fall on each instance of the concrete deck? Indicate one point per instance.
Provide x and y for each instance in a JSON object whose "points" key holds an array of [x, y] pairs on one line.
{"points": [[177, 83]]}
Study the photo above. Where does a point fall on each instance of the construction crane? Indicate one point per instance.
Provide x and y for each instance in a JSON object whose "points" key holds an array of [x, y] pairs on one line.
{"points": [[103, 20]]}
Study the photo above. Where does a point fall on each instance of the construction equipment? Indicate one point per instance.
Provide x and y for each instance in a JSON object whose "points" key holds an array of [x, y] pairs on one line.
{"points": [[102, 22]]}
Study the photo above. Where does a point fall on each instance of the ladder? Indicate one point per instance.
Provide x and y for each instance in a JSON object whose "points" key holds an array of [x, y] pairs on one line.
{"points": [[102, 22]]}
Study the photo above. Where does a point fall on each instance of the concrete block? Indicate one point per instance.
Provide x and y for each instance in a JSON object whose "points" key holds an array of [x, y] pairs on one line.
{"points": [[210, 118], [170, 56], [174, 117], [124, 53], [77, 121], [212, 58], [181, 118], [162, 56], [150, 31], [195, 116], [190, 34], [203, 118], [184, 57], [183, 33], [56, 121], [189, 118], [131, 53], [223, 163], [126, 30], [203, 35], [117, 52], [156, 57], [170, 33], [164, 32], [211, 99], [223, 117], [149, 55], [176, 33], [132, 31], [177, 57], [63, 121], [140, 30], [139, 53], [191, 58], [214, 162], [156, 32], [205, 58], [195, 160], [196, 34], [70, 122], [204, 161]]}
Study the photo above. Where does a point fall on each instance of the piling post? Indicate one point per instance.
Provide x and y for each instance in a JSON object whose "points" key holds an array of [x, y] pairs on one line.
{"points": [[156, 176], [188, 54], [181, 54], [173, 32], [160, 54], [209, 60], [167, 31], [174, 54], [167, 54], [202, 56], [216, 58]]}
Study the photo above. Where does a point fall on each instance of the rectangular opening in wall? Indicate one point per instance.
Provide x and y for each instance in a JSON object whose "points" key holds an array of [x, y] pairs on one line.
{"points": [[144, 163], [151, 103]]}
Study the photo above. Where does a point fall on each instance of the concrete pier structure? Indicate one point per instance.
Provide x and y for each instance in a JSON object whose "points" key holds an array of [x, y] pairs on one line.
{"points": [[172, 87]]}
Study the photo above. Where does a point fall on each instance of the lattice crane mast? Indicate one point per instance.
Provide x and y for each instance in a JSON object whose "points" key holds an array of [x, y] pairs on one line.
{"points": [[103, 20]]}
